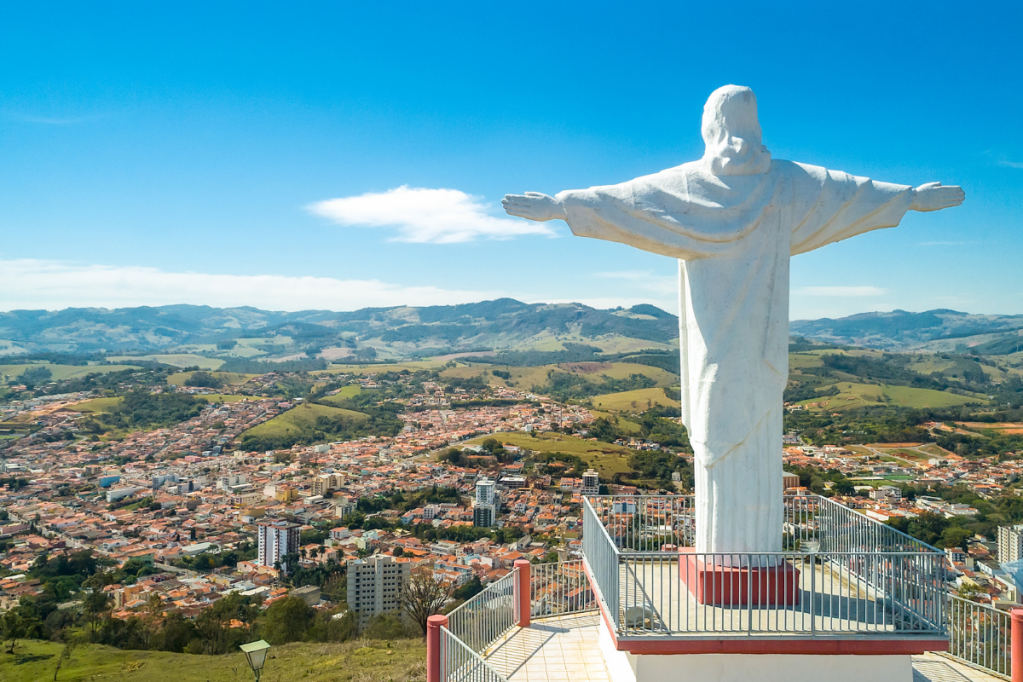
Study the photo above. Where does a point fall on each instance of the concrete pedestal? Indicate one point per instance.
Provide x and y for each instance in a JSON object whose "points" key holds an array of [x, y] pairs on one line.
{"points": [[738, 585], [627, 667]]}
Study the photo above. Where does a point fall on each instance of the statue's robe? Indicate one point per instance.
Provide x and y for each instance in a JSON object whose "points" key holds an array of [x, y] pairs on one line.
{"points": [[733, 236]]}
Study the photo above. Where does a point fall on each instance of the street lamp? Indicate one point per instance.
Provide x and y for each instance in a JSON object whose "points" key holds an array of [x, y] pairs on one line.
{"points": [[255, 653]]}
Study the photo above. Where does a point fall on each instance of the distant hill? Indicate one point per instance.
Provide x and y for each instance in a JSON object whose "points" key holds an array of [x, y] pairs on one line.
{"points": [[369, 333], [503, 325], [934, 330]]}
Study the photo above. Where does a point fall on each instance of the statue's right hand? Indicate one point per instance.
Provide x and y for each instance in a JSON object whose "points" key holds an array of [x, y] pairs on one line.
{"points": [[533, 206]]}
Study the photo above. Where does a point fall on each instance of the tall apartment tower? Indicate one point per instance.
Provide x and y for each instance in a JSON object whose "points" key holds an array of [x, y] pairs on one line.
{"points": [[484, 512], [591, 482], [374, 585], [276, 539], [1010, 543]]}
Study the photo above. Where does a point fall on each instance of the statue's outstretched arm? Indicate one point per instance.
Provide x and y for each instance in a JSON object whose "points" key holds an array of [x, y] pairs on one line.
{"points": [[534, 206], [934, 196]]}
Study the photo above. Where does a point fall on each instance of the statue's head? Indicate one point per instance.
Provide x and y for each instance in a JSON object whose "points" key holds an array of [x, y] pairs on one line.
{"points": [[731, 131]]}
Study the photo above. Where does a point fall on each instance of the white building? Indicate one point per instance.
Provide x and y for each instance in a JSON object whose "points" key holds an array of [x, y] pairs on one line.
{"points": [[276, 539], [1010, 543], [591, 482], [484, 512], [374, 585]]}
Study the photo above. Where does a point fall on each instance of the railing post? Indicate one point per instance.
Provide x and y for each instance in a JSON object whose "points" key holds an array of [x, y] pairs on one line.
{"points": [[522, 590], [1016, 663], [433, 652]]}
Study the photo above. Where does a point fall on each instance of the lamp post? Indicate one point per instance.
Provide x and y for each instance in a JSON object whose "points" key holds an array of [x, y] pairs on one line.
{"points": [[255, 654]]}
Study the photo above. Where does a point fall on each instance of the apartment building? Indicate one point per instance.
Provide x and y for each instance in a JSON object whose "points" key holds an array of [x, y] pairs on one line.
{"points": [[374, 585], [484, 512], [1010, 543], [277, 538]]}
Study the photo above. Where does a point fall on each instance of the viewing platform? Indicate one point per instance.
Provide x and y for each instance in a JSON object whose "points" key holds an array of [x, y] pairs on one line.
{"points": [[846, 598], [565, 648]]}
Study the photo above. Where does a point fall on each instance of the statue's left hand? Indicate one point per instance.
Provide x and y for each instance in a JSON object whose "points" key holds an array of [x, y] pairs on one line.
{"points": [[934, 196], [534, 206]]}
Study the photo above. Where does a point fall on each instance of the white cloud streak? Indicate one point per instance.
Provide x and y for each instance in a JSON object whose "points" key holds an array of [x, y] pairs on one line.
{"points": [[53, 285], [844, 292], [665, 285], [421, 215]]}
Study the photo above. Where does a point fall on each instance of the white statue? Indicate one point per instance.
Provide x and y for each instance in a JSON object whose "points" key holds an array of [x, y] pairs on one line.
{"points": [[733, 219]]}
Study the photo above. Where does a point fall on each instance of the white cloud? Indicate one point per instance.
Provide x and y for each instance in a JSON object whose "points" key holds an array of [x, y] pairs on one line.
{"points": [[840, 291], [644, 279], [52, 285], [439, 216], [1010, 164]]}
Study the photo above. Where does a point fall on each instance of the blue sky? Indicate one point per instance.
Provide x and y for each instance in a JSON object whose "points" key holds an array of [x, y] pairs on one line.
{"points": [[246, 153]]}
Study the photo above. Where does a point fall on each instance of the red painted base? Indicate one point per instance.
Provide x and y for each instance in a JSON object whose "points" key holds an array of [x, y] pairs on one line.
{"points": [[738, 586]]}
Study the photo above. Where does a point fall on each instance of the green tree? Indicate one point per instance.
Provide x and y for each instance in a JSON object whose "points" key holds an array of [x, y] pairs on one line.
{"points": [[422, 596], [287, 620]]}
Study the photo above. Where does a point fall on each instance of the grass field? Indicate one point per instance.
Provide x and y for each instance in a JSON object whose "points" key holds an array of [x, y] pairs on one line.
{"points": [[176, 360], [62, 372], [231, 378], [300, 418], [342, 395], [852, 395], [358, 661], [633, 401], [97, 405], [606, 458], [905, 396]]}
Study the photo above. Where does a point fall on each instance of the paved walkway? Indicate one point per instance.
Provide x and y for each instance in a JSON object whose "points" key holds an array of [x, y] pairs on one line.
{"points": [[565, 649], [937, 668], [559, 649]]}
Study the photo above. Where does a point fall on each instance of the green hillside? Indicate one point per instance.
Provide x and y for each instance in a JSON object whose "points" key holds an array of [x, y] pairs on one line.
{"points": [[302, 419], [34, 661]]}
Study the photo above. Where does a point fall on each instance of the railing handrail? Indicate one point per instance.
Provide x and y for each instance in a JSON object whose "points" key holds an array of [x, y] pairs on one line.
{"points": [[482, 595], [820, 499], [603, 528], [875, 522], [633, 553], [970, 638], [978, 605], [448, 637]]}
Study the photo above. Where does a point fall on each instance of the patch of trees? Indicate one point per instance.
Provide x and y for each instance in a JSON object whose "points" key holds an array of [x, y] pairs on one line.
{"points": [[203, 379], [142, 409], [33, 376], [565, 386], [797, 391], [659, 466], [815, 479], [243, 366], [97, 381], [657, 425], [882, 424], [574, 352], [935, 529]]}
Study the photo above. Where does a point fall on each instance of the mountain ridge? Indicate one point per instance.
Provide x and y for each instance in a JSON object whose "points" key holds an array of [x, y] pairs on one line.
{"points": [[500, 324]]}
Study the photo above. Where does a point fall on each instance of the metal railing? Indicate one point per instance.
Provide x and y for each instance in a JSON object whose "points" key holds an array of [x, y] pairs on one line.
{"points": [[841, 573], [559, 589], [603, 558], [979, 635], [459, 663], [486, 617]]}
